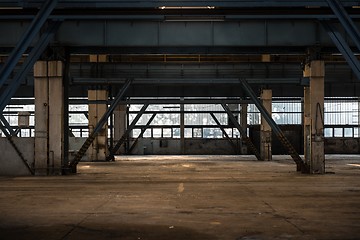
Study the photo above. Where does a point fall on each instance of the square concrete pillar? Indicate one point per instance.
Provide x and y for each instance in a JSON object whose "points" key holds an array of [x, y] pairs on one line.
{"points": [[98, 150], [314, 117], [265, 129], [41, 92], [49, 117], [244, 125], [56, 116], [120, 122], [307, 125]]}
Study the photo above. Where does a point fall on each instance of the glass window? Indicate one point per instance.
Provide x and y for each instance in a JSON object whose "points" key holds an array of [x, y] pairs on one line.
{"points": [[176, 132], [328, 132], [136, 133], [188, 132], [147, 133], [348, 132], [197, 132], [157, 132], [167, 132], [338, 132]]}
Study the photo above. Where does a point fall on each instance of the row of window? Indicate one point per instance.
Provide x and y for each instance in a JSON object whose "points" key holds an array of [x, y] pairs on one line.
{"points": [[204, 132]]}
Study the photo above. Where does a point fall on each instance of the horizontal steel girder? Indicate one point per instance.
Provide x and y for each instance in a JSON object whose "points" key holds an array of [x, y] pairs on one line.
{"points": [[98, 35], [160, 3]]}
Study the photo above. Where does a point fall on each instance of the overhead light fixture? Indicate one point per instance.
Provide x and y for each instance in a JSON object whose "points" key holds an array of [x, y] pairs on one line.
{"points": [[194, 19], [187, 7], [11, 8]]}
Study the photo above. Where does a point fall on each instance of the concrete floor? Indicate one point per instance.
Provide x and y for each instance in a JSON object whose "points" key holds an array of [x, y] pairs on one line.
{"points": [[189, 197]]}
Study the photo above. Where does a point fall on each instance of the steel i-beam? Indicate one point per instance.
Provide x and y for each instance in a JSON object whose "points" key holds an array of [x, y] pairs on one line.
{"points": [[142, 132], [242, 132], [127, 132], [27, 39], [345, 21], [72, 165], [17, 150], [343, 47], [34, 55], [224, 132], [301, 166]]}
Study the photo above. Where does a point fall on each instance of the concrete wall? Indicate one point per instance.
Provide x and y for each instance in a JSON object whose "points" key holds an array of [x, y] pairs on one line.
{"points": [[342, 145], [192, 146], [222, 146], [75, 144], [10, 162], [156, 146]]}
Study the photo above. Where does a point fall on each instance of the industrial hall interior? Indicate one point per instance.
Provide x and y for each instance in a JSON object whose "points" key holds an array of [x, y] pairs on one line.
{"points": [[194, 120]]}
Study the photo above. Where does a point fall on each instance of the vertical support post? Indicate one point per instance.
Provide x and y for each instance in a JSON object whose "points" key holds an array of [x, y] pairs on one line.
{"points": [[49, 123], [307, 125], [359, 117], [120, 123], [98, 150], [265, 129], [41, 92], [243, 124], [56, 116], [182, 127], [314, 100], [66, 131]]}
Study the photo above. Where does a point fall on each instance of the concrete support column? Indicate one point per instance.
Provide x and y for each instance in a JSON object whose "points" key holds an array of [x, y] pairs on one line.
{"points": [[307, 125], [98, 150], [314, 117], [182, 128], [120, 125], [49, 117], [265, 129], [243, 124]]}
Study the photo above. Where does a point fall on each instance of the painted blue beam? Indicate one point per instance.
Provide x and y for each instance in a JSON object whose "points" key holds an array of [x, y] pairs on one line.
{"points": [[28, 63], [346, 21], [26, 39], [127, 132], [301, 166], [343, 47], [72, 165], [160, 3], [6, 128]]}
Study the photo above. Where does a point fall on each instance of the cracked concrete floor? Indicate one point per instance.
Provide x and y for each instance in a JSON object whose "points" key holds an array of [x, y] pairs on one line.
{"points": [[185, 197]]}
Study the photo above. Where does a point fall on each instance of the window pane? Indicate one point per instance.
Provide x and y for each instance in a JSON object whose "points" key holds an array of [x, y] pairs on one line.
{"points": [[188, 132], [348, 132], [328, 132], [338, 132], [197, 132], [176, 133], [147, 133], [157, 132], [136, 133], [167, 132]]}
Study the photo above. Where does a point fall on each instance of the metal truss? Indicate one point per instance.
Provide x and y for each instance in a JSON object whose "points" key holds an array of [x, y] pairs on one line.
{"points": [[339, 41], [34, 55], [27, 39], [143, 129], [127, 132], [243, 134], [72, 165], [301, 166], [224, 132], [345, 21], [343, 47], [12, 143]]}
